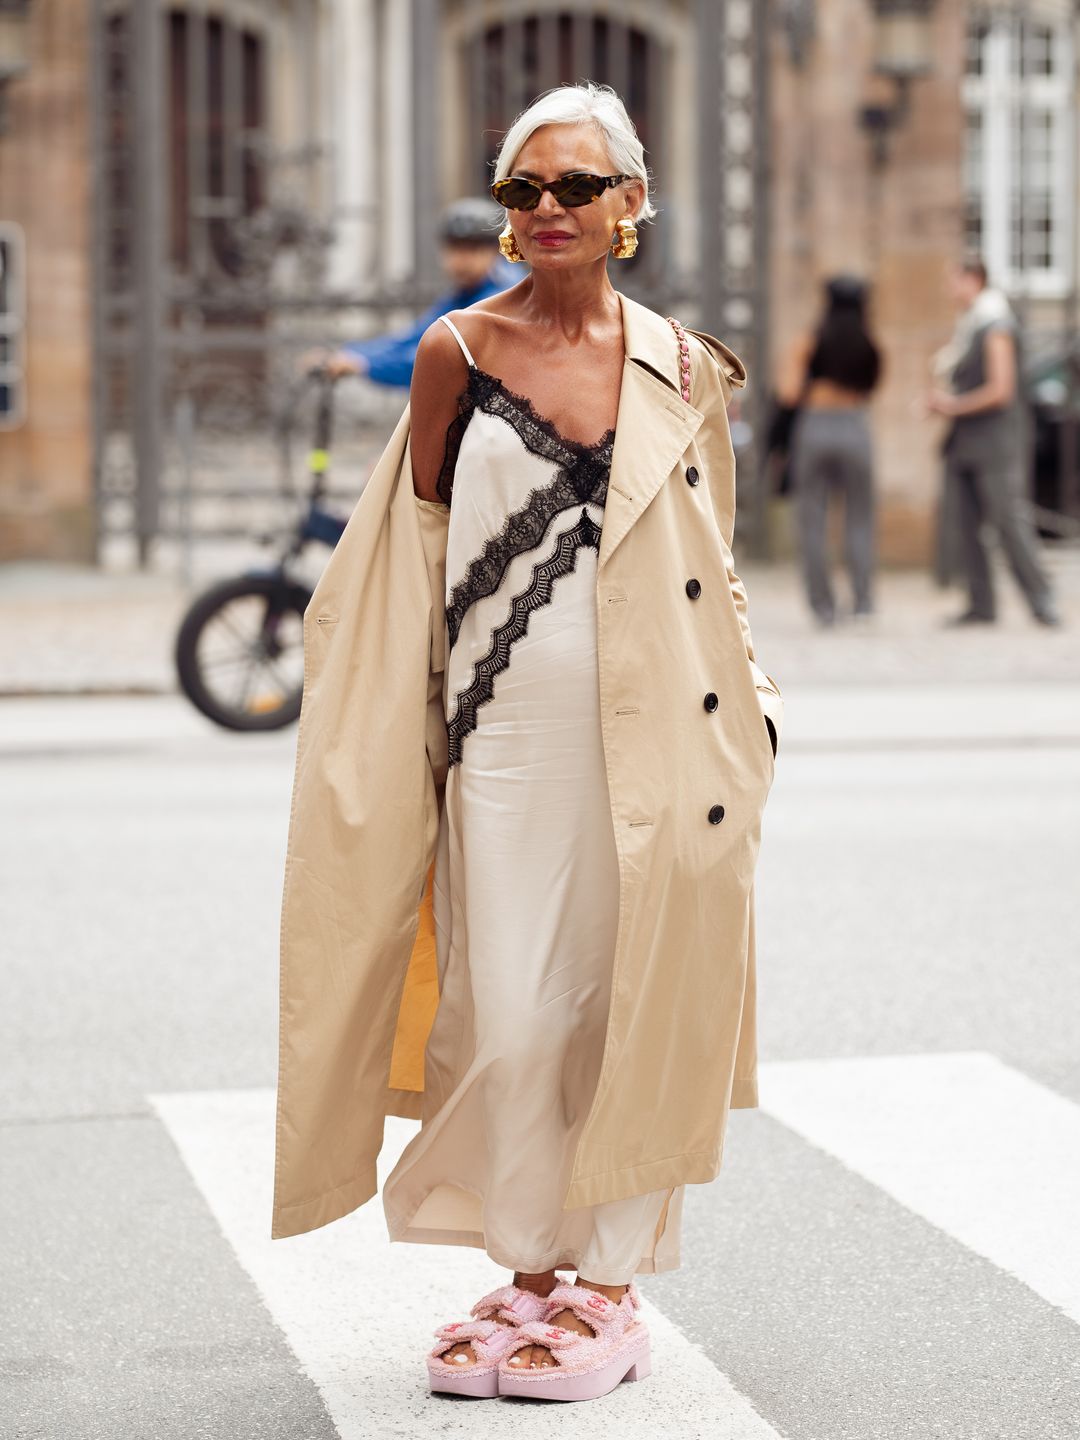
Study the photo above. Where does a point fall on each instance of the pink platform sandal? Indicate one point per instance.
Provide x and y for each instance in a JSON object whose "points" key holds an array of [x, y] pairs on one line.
{"points": [[587, 1366], [488, 1339]]}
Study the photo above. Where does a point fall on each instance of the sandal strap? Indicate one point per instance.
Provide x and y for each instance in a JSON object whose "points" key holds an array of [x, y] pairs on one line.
{"points": [[607, 1318], [477, 1332], [512, 1303], [536, 1332]]}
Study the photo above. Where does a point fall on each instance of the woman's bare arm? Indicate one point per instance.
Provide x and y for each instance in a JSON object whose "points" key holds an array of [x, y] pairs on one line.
{"points": [[1000, 385], [791, 372], [997, 390], [439, 377]]}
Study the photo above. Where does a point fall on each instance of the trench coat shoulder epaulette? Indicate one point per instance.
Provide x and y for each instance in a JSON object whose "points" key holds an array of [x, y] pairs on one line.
{"points": [[730, 366]]}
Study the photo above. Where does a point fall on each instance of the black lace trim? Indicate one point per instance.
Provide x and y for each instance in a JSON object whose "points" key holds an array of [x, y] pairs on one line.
{"points": [[503, 637], [523, 530], [538, 434], [444, 485]]}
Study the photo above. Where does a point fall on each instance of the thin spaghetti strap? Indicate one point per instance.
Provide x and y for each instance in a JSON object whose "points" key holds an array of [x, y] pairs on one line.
{"points": [[457, 334]]}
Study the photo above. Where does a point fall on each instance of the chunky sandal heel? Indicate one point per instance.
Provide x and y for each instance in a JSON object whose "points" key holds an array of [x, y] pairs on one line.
{"points": [[641, 1368], [586, 1366]]}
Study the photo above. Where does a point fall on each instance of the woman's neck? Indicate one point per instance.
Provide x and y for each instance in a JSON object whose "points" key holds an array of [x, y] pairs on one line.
{"points": [[570, 302]]}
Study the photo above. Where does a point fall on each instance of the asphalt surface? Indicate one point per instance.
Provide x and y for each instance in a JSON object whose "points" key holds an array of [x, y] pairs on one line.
{"points": [[917, 897]]}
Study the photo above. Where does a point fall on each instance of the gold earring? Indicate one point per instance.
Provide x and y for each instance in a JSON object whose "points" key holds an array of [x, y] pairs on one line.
{"points": [[508, 244], [624, 241]]}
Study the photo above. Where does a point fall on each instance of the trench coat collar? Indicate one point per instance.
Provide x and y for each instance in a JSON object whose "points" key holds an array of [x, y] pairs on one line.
{"points": [[653, 424]]}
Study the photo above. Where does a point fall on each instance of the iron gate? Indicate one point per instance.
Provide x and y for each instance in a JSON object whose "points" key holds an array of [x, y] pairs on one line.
{"points": [[214, 234]]}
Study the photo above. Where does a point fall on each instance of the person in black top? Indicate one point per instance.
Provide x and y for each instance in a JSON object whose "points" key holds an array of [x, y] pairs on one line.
{"points": [[829, 375]]}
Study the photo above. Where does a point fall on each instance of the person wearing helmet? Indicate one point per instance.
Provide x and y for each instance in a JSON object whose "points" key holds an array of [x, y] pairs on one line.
{"points": [[469, 235]]}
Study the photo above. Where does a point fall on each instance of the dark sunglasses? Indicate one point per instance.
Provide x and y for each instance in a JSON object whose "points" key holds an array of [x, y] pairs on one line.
{"points": [[578, 188]]}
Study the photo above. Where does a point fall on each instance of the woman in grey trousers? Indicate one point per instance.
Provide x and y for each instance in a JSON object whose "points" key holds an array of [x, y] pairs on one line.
{"points": [[830, 375]]}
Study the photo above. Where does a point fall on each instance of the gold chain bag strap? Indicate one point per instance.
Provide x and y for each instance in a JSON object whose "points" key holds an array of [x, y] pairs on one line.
{"points": [[684, 357]]}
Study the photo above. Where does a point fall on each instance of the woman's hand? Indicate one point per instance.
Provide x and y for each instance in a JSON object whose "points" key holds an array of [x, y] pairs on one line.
{"points": [[940, 402]]}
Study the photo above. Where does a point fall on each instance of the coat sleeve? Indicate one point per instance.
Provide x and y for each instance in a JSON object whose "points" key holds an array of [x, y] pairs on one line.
{"points": [[363, 823], [434, 520], [717, 372]]}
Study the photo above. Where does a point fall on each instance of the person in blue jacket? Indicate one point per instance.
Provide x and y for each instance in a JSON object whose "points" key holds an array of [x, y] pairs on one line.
{"points": [[469, 235]]}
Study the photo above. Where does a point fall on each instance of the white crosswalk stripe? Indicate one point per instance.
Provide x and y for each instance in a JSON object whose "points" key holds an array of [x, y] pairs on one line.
{"points": [[981, 1151], [359, 1313]]}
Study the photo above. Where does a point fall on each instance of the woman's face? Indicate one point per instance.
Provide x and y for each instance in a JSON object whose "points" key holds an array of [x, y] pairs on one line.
{"points": [[556, 150]]}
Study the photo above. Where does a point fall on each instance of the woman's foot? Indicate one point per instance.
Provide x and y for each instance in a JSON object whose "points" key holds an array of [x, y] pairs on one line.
{"points": [[539, 1355], [586, 1366], [464, 1354]]}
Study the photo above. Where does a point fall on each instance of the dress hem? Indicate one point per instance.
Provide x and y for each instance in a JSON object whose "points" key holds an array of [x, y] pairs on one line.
{"points": [[647, 1265]]}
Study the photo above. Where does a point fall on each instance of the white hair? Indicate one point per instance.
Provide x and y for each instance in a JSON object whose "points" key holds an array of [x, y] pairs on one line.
{"points": [[596, 105]]}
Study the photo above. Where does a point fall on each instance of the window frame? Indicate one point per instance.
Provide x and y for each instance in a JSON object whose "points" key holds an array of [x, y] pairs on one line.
{"points": [[1002, 99]]}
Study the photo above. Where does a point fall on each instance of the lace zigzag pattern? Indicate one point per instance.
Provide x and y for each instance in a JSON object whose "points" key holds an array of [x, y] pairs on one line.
{"points": [[538, 592], [524, 530]]}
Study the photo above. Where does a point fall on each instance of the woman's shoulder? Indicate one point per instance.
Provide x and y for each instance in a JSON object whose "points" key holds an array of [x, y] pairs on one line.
{"points": [[481, 318], [718, 355], [438, 346]]}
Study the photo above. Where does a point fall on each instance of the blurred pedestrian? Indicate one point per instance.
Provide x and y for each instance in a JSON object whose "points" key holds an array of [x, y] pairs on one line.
{"points": [[984, 448], [469, 236], [827, 376]]}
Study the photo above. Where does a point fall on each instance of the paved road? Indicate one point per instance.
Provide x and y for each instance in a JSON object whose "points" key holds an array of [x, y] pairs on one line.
{"points": [[891, 1247], [67, 630]]}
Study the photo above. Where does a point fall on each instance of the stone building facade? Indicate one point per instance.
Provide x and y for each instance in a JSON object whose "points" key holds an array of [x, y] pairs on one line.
{"points": [[940, 187], [46, 487], [347, 82]]}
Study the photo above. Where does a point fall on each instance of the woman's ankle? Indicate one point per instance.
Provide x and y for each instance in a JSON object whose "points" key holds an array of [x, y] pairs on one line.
{"points": [[613, 1292], [541, 1284]]}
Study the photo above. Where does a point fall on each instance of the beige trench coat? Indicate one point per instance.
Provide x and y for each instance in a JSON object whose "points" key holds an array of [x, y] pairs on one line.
{"points": [[358, 966]]}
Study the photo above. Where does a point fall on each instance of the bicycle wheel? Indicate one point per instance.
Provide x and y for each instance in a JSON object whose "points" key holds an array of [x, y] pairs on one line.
{"points": [[240, 652]]}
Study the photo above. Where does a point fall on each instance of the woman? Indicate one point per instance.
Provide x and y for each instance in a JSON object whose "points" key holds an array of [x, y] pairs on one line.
{"points": [[530, 682], [985, 448], [830, 375]]}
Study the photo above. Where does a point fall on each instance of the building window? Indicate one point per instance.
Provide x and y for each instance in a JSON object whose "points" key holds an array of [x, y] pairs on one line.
{"points": [[216, 117], [1017, 157], [12, 319], [213, 115]]}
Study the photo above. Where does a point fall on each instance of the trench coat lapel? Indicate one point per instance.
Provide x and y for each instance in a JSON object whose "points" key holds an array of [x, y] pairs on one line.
{"points": [[653, 423]]}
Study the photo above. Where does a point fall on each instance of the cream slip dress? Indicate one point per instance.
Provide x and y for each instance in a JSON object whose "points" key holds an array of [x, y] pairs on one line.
{"points": [[526, 885]]}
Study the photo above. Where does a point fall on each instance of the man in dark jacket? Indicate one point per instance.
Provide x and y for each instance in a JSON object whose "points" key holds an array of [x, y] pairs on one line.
{"points": [[984, 449]]}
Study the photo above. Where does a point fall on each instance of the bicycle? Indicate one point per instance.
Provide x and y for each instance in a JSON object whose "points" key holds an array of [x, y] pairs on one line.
{"points": [[239, 649]]}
